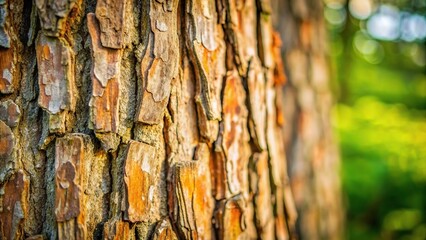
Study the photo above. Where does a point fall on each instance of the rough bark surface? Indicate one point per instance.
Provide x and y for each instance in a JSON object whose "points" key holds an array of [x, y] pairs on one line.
{"points": [[142, 120], [311, 150]]}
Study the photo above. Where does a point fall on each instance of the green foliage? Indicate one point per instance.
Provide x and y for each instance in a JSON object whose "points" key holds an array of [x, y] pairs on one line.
{"points": [[381, 124]]}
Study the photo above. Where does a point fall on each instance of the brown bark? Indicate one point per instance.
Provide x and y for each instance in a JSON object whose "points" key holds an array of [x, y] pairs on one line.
{"points": [[142, 119], [310, 147]]}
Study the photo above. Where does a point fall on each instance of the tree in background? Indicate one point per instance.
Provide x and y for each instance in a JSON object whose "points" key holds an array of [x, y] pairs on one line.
{"points": [[311, 150]]}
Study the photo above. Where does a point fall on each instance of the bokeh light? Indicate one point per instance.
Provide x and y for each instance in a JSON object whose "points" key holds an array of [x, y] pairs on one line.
{"points": [[384, 24], [361, 9]]}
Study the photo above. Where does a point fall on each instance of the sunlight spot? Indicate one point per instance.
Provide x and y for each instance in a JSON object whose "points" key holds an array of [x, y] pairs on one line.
{"points": [[413, 27], [361, 9], [384, 24]]}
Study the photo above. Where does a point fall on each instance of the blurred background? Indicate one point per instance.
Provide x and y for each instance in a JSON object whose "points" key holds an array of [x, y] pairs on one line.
{"points": [[379, 67]]}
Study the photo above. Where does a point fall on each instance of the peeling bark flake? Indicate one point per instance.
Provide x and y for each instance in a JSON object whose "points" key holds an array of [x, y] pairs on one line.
{"points": [[160, 63], [7, 142], [9, 113], [265, 35], [13, 206], [55, 61], [4, 35], [54, 15], [207, 51], [241, 32], [69, 177], [262, 196], [105, 81], [141, 178], [111, 16], [219, 171], [256, 104], [234, 136], [6, 70], [229, 219], [191, 202]]}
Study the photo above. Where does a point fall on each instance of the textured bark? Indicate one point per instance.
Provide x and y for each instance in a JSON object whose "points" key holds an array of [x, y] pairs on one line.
{"points": [[142, 120], [310, 148]]}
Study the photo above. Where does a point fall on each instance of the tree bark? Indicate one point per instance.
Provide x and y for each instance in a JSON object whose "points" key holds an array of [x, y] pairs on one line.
{"points": [[142, 120], [312, 154]]}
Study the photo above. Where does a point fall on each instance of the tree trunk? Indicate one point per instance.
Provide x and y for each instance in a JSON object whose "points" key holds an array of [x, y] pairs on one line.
{"points": [[153, 120], [310, 148]]}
